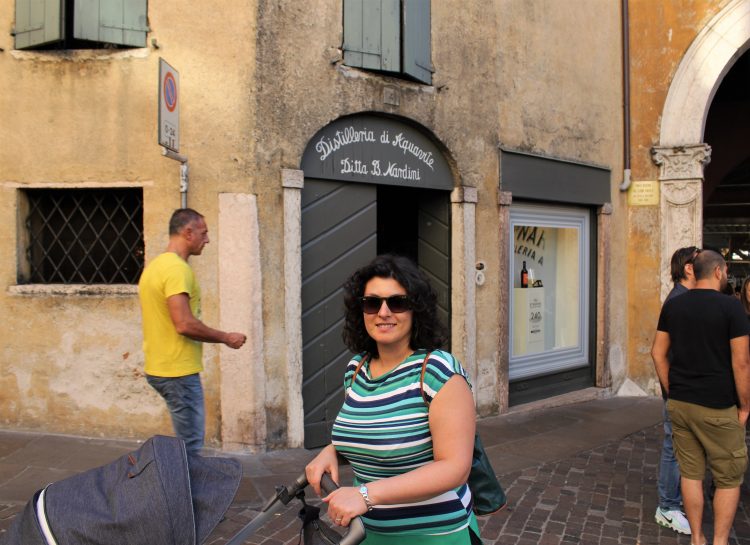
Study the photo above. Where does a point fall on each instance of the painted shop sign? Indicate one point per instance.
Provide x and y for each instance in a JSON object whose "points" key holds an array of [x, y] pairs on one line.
{"points": [[376, 150]]}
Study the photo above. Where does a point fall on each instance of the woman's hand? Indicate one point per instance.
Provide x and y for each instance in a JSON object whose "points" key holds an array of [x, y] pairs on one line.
{"points": [[325, 462], [344, 504]]}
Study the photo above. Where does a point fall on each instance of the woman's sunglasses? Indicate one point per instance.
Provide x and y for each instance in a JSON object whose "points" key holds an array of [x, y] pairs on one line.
{"points": [[396, 303]]}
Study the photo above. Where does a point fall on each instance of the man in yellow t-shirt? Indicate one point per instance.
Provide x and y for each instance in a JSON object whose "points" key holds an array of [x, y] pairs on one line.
{"points": [[173, 332]]}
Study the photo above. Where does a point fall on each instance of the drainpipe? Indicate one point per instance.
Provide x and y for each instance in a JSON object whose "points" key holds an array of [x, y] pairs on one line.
{"points": [[626, 96], [169, 154]]}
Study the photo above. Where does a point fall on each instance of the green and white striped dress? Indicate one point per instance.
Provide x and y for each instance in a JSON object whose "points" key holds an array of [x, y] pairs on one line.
{"points": [[383, 430]]}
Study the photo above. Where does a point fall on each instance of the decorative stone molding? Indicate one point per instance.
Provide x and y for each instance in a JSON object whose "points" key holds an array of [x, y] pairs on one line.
{"points": [[465, 194], [681, 201], [293, 179], [505, 198], [680, 193], [681, 162]]}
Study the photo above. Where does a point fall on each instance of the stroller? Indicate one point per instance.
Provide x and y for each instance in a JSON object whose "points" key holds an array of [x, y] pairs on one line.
{"points": [[156, 495]]}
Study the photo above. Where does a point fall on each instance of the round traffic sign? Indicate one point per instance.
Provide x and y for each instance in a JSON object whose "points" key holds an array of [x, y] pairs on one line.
{"points": [[170, 92]]}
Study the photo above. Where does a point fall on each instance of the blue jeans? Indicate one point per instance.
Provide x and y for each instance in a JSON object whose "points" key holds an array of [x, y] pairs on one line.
{"points": [[670, 496], [184, 397]]}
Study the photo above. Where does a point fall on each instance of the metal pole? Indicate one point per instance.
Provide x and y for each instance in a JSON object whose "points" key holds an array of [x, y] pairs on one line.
{"points": [[183, 184], [169, 154]]}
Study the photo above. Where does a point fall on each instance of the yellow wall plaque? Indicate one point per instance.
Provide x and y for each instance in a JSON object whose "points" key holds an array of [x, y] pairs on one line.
{"points": [[644, 193]]}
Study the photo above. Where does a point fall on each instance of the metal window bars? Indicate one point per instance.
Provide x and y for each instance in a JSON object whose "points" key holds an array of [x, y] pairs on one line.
{"points": [[85, 236]]}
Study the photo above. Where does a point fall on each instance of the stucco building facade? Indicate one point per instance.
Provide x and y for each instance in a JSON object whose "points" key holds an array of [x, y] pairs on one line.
{"points": [[492, 141], [688, 116]]}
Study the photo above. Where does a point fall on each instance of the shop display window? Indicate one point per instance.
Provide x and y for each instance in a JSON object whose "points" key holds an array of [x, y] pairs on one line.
{"points": [[550, 290]]}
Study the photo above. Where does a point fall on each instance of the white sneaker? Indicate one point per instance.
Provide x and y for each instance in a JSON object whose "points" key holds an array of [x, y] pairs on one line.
{"points": [[673, 519]]}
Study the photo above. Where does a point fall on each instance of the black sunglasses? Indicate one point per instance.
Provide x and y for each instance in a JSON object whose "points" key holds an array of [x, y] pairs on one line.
{"points": [[396, 303]]}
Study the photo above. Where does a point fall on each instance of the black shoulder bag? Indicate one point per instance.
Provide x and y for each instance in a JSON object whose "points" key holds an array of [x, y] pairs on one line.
{"points": [[489, 496]]}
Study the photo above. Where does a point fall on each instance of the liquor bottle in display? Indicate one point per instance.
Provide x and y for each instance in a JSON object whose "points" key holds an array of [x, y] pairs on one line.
{"points": [[524, 276]]}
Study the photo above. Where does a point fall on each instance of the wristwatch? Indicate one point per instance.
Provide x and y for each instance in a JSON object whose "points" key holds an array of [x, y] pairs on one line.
{"points": [[366, 497]]}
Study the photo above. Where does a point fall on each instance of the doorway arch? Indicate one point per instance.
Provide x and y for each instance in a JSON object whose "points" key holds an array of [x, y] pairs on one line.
{"points": [[682, 154], [711, 55], [372, 184]]}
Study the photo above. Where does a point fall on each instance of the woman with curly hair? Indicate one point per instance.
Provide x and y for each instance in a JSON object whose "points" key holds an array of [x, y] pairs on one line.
{"points": [[407, 423]]}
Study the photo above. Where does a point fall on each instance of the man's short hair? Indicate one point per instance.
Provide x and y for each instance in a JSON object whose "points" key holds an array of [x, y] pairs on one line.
{"points": [[705, 263], [181, 218], [680, 258]]}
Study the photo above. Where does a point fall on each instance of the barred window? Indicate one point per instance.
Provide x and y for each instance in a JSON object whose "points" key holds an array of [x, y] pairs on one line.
{"points": [[82, 236]]}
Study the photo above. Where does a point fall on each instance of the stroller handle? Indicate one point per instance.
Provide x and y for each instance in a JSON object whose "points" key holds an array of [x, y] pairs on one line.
{"points": [[356, 532]]}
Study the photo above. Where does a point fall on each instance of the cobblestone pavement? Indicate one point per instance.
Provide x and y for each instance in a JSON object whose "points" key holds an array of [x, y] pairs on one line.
{"points": [[603, 496], [582, 473]]}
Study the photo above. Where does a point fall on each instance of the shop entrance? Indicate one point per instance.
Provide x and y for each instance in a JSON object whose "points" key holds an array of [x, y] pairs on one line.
{"points": [[726, 191], [372, 185]]}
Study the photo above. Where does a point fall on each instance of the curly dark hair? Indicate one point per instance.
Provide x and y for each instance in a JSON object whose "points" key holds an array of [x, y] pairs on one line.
{"points": [[427, 331]]}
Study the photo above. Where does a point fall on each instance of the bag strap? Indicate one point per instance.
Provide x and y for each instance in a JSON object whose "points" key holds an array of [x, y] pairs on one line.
{"points": [[367, 357], [421, 378]]}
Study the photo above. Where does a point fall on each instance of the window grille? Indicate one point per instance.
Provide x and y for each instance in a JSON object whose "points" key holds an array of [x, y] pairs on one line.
{"points": [[84, 236]]}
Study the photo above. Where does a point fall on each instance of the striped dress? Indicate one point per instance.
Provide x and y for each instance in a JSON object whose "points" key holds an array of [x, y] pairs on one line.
{"points": [[383, 430]]}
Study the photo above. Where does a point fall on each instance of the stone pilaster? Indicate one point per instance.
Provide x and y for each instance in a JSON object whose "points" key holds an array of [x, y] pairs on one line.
{"points": [[680, 201], [504, 201], [603, 253], [463, 303], [243, 392], [292, 182]]}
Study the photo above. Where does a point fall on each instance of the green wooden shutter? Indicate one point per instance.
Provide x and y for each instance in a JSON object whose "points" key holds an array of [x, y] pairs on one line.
{"points": [[37, 22], [417, 40], [372, 34], [122, 22]]}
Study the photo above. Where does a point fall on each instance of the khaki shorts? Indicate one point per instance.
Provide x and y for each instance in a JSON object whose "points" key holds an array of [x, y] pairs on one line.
{"points": [[701, 433]]}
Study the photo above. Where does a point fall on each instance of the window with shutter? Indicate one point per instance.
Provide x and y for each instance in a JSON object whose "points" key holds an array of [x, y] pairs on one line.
{"points": [[38, 22], [417, 41], [80, 24], [390, 36], [121, 22]]}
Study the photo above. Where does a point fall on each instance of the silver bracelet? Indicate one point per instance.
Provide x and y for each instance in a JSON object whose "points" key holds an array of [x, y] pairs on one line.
{"points": [[366, 497]]}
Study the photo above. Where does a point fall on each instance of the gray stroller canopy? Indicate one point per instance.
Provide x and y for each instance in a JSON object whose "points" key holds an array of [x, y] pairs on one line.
{"points": [[154, 495]]}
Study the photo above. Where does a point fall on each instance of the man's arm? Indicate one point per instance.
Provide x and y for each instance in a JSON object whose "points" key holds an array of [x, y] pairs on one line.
{"points": [[659, 351], [188, 325], [741, 369]]}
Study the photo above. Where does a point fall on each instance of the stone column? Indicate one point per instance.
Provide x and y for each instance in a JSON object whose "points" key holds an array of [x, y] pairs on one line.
{"points": [[463, 303], [680, 201], [292, 182]]}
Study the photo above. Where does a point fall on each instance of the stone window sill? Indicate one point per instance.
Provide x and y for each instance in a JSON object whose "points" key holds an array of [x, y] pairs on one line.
{"points": [[74, 290]]}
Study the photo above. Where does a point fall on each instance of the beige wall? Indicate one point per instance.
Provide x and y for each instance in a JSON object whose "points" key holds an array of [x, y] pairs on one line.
{"points": [[509, 74], [560, 91], [71, 363], [532, 75], [660, 35]]}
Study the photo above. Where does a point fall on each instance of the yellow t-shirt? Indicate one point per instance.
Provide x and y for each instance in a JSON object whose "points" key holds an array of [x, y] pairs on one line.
{"points": [[167, 353]]}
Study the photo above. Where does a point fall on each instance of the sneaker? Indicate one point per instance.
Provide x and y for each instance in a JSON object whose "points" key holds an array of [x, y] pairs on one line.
{"points": [[673, 519]]}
